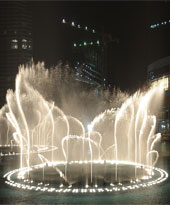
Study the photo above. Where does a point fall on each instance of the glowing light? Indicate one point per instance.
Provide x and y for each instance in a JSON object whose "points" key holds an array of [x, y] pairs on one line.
{"points": [[162, 82], [26, 184], [89, 127], [41, 150], [129, 128]]}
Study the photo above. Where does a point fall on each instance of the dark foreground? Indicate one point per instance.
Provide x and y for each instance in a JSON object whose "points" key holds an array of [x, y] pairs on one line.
{"points": [[158, 194]]}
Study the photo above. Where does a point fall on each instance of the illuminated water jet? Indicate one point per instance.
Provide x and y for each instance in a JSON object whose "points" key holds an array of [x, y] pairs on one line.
{"points": [[117, 139]]}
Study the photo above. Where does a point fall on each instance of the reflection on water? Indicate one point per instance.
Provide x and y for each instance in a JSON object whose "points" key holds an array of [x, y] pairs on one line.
{"points": [[165, 148], [156, 195], [164, 158]]}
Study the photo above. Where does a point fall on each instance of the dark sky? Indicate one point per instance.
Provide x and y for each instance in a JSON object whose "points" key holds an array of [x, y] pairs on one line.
{"points": [[128, 21]]}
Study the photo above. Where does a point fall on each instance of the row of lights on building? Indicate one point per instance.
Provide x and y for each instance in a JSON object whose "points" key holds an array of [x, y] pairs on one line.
{"points": [[9, 32], [87, 44], [79, 74], [85, 76], [159, 24], [78, 26], [90, 74], [85, 67], [88, 67]]}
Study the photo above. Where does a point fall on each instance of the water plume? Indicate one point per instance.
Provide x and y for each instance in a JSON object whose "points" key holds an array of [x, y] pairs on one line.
{"points": [[48, 108]]}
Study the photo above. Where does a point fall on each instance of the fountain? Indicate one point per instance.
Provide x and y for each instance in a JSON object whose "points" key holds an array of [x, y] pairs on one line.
{"points": [[114, 152]]}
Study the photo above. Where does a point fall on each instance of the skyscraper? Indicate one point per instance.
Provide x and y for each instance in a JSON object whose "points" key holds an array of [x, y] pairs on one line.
{"points": [[15, 41], [89, 52]]}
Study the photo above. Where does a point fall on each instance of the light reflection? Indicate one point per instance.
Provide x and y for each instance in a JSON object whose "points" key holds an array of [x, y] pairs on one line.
{"points": [[26, 183]]}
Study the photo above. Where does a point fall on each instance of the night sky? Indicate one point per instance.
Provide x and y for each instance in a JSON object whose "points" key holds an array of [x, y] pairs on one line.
{"points": [[127, 21]]}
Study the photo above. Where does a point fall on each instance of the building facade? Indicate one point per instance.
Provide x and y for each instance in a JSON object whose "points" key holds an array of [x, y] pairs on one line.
{"points": [[15, 41], [89, 48], [158, 70]]}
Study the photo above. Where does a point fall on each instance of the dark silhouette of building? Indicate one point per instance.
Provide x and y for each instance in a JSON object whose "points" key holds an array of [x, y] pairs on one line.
{"points": [[89, 48], [15, 41], [158, 70]]}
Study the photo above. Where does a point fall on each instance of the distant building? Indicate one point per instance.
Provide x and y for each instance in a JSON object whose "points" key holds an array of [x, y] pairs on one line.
{"points": [[15, 41], [158, 40], [158, 70], [89, 53]]}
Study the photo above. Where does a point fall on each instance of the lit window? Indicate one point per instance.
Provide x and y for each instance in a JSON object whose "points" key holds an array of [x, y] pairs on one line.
{"points": [[29, 45], [63, 21], [152, 77], [80, 44], [153, 26], [163, 81], [86, 28], [74, 44], [93, 31], [98, 42], [85, 44], [78, 26], [72, 24], [14, 44], [91, 43], [24, 44]]}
